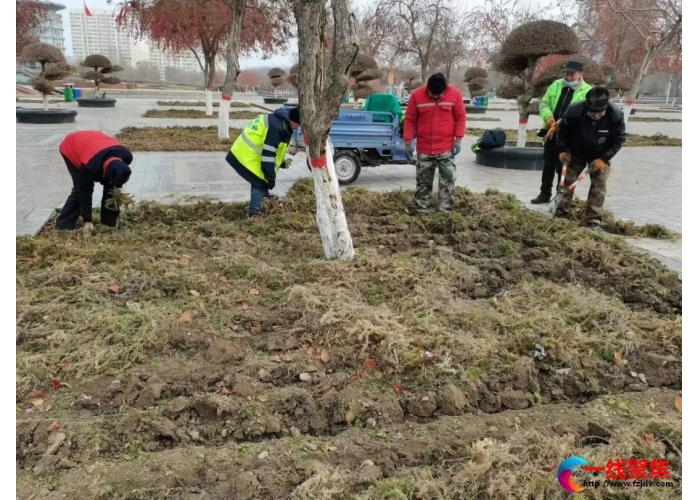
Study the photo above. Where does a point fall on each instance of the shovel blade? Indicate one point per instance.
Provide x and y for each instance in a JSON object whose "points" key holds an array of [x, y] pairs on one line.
{"points": [[554, 204]]}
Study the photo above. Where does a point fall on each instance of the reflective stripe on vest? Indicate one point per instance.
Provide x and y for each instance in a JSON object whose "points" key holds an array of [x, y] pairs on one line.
{"points": [[249, 146]]}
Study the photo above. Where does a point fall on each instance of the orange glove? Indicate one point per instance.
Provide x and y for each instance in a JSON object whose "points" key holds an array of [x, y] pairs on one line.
{"points": [[552, 130], [599, 164], [563, 157], [549, 122]]}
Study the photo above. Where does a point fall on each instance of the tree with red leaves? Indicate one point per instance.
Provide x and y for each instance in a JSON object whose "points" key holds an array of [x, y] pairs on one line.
{"points": [[262, 25], [200, 26], [30, 15], [248, 78]]}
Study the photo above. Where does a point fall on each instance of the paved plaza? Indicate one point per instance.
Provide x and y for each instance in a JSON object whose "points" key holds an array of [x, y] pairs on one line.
{"points": [[645, 184]]}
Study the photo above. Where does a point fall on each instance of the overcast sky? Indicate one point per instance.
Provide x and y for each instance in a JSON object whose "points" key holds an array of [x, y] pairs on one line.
{"points": [[284, 59]]}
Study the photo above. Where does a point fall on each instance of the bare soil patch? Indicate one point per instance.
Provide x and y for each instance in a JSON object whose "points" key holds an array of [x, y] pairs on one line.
{"points": [[195, 353]]}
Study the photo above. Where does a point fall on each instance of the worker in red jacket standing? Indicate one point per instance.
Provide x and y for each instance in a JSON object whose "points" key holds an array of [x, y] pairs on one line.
{"points": [[437, 118], [91, 157]]}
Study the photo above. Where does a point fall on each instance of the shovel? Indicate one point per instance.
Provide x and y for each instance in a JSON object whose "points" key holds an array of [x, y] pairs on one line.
{"points": [[561, 190]]}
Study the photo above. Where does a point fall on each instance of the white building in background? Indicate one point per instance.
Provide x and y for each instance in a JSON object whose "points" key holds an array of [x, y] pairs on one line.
{"points": [[52, 29], [98, 34], [185, 60]]}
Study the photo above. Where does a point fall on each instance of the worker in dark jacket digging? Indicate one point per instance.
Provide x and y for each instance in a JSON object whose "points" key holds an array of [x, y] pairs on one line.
{"points": [[259, 152], [91, 157], [591, 132], [560, 94]]}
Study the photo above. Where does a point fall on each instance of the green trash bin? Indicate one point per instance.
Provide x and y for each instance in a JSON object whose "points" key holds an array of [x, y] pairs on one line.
{"points": [[67, 94], [346, 99], [486, 100]]}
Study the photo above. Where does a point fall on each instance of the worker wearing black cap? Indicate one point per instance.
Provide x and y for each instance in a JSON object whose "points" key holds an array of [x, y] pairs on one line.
{"points": [[591, 132], [92, 156], [259, 152], [559, 96]]}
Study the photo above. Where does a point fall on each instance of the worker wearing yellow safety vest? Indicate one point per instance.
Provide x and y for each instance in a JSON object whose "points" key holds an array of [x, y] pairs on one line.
{"points": [[259, 152]]}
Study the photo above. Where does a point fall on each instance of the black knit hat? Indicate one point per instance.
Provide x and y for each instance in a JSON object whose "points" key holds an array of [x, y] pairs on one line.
{"points": [[118, 173], [597, 99], [294, 115], [437, 84]]}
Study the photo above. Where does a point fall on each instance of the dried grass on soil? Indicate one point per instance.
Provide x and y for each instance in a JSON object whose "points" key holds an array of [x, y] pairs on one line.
{"points": [[38, 101], [195, 339], [175, 138], [200, 103], [654, 119], [659, 110], [632, 139], [197, 113]]}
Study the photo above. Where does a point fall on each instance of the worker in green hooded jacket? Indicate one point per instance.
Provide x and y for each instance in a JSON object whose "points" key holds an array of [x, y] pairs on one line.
{"points": [[560, 94]]}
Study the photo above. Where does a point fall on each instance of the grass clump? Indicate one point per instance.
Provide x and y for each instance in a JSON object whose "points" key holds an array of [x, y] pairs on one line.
{"points": [[196, 113], [175, 138], [200, 103]]}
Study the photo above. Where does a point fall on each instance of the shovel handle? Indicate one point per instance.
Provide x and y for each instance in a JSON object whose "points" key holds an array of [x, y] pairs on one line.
{"points": [[583, 175], [564, 166]]}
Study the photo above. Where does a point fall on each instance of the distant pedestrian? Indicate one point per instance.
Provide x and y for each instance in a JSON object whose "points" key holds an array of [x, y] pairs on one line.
{"points": [[591, 132], [92, 156], [259, 152], [436, 117]]}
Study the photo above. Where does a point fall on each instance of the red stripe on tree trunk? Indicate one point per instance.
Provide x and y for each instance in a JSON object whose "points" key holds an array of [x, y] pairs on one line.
{"points": [[319, 162], [225, 97], [522, 120], [306, 139]]}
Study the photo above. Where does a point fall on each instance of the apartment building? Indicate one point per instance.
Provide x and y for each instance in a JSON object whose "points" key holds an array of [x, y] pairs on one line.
{"points": [[98, 34], [52, 28]]}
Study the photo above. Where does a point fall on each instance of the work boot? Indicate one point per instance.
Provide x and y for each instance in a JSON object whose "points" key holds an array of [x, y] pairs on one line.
{"points": [[272, 197], [541, 199]]}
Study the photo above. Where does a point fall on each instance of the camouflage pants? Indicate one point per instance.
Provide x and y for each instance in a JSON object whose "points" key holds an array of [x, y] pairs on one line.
{"points": [[425, 175], [596, 193]]}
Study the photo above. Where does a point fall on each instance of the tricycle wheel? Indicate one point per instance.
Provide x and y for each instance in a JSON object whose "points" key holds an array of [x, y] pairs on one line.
{"points": [[347, 167]]}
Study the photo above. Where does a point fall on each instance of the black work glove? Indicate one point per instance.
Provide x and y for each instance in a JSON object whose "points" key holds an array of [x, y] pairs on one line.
{"points": [[271, 184]]}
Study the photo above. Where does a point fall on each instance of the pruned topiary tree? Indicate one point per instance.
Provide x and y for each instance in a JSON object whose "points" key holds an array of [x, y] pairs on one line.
{"points": [[621, 84], [363, 70], [53, 67], [277, 77], [476, 80], [409, 77], [520, 53], [415, 85], [102, 70], [293, 76]]}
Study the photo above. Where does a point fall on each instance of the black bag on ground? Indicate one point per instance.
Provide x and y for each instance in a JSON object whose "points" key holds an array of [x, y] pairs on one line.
{"points": [[491, 139]]}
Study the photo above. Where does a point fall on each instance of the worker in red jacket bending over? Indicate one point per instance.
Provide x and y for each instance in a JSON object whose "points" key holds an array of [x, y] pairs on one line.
{"points": [[436, 117], [91, 157]]}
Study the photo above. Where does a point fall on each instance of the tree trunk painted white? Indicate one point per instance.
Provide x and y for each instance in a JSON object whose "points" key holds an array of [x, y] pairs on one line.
{"points": [[224, 106], [330, 214], [209, 102], [668, 91], [629, 104], [522, 132], [46, 102]]}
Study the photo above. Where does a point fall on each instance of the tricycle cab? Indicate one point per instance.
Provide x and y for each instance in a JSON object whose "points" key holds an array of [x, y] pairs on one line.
{"points": [[363, 139]]}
